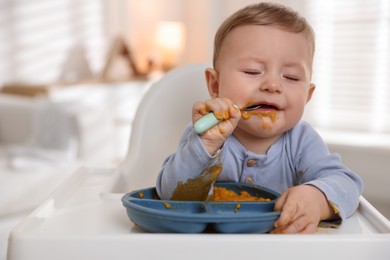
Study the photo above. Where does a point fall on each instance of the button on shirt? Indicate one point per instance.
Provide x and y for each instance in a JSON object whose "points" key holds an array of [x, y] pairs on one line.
{"points": [[250, 171], [249, 180], [251, 162], [299, 156]]}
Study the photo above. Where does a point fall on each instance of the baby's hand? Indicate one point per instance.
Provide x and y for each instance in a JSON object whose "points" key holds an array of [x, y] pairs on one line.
{"points": [[224, 110], [302, 208]]}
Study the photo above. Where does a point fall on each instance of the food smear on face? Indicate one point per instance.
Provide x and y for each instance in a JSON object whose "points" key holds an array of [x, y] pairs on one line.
{"points": [[268, 117], [197, 189], [223, 194]]}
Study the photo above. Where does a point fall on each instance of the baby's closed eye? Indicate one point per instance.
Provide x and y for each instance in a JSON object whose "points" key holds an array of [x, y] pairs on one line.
{"points": [[252, 72]]}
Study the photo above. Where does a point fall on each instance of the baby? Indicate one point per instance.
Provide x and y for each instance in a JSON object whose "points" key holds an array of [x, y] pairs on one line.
{"points": [[259, 86]]}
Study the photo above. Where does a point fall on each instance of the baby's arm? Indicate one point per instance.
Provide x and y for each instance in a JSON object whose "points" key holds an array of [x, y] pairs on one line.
{"points": [[188, 161], [327, 190], [224, 110], [197, 152]]}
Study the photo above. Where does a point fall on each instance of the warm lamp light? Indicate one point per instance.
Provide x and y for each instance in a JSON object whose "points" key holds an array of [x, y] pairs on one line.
{"points": [[170, 41]]}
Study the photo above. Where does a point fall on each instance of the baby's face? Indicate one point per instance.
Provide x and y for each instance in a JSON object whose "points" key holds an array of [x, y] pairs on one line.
{"points": [[266, 66]]}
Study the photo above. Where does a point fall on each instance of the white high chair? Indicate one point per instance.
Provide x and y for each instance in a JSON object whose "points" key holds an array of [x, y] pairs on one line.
{"points": [[160, 121], [85, 219]]}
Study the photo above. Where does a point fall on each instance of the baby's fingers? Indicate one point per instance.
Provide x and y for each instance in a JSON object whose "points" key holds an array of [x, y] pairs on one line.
{"points": [[221, 109], [235, 112], [301, 225], [280, 201], [199, 108], [288, 211]]}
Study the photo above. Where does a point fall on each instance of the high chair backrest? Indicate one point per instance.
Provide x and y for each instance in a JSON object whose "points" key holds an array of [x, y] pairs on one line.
{"points": [[160, 120]]}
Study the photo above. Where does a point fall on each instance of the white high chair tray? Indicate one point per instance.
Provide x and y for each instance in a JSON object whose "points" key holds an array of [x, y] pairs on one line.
{"points": [[83, 220]]}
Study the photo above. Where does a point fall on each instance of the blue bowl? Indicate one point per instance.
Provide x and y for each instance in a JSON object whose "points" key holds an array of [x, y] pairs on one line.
{"points": [[145, 209]]}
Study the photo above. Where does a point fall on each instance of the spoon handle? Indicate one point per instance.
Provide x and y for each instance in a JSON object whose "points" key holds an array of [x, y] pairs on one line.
{"points": [[205, 123]]}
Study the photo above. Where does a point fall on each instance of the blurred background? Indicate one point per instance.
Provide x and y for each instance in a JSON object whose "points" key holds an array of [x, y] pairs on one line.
{"points": [[68, 40], [73, 72]]}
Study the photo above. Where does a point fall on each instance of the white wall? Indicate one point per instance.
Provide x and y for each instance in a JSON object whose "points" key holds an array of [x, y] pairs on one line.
{"points": [[55, 29], [136, 20]]}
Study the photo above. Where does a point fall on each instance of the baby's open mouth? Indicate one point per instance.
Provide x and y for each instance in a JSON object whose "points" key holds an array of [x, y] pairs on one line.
{"points": [[261, 106], [266, 111]]}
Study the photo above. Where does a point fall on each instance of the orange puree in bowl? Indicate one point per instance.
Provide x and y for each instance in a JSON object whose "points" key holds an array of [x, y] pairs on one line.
{"points": [[222, 194]]}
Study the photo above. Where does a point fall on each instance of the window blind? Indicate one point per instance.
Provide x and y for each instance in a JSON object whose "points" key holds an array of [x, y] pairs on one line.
{"points": [[351, 68], [37, 37]]}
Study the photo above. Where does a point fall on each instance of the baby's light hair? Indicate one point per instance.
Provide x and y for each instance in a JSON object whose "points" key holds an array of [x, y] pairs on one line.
{"points": [[264, 14]]}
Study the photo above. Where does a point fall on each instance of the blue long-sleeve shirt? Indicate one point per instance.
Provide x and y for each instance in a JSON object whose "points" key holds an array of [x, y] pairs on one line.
{"points": [[299, 157]]}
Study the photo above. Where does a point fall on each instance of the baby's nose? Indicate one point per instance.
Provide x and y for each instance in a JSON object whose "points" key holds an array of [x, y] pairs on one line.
{"points": [[271, 86]]}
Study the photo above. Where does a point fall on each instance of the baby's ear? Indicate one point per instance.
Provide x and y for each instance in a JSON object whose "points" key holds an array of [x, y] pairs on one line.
{"points": [[312, 87], [212, 82]]}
